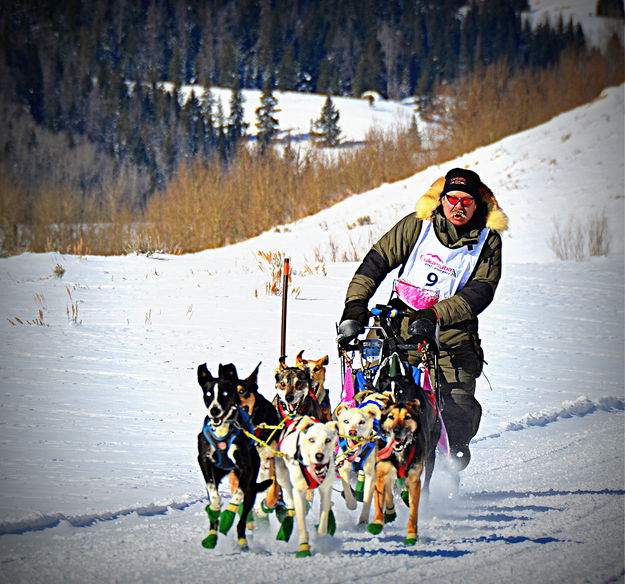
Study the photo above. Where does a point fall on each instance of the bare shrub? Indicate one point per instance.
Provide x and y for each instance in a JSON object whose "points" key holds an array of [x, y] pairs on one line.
{"points": [[576, 240], [38, 319], [599, 236]]}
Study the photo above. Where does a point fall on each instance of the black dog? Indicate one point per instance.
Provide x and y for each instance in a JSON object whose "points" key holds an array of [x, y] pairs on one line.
{"points": [[263, 413], [225, 447], [257, 406]]}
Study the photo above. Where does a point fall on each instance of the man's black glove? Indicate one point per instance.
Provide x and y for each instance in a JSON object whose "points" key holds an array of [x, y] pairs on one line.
{"points": [[424, 327], [353, 320], [347, 332]]}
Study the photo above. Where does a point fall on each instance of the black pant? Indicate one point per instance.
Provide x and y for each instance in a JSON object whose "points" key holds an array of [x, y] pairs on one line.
{"points": [[459, 367]]}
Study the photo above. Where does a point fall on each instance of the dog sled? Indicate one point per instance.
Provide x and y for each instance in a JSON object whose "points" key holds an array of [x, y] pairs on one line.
{"points": [[400, 374], [378, 354]]}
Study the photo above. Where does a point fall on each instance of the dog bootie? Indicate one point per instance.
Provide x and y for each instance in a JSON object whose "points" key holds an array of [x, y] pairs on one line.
{"points": [[375, 528], [242, 543], [411, 539], [360, 486], [303, 551], [390, 515], [265, 509], [227, 517], [405, 496], [286, 527], [210, 541], [331, 523]]}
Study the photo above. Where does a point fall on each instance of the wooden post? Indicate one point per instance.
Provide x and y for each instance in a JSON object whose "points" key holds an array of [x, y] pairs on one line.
{"points": [[286, 273]]}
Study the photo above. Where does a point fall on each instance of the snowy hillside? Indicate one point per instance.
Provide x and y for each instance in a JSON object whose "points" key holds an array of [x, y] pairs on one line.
{"points": [[99, 406]]}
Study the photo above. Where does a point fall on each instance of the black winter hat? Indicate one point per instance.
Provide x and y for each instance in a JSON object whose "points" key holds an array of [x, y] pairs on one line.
{"points": [[461, 179]]}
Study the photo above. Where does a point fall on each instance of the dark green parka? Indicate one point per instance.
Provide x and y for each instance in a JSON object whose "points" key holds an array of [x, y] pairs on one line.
{"points": [[458, 314]]}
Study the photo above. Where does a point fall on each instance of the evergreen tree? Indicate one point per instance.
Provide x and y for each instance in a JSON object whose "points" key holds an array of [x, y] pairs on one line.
{"points": [[611, 8], [237, 126], [326, 130], [267, 124]]}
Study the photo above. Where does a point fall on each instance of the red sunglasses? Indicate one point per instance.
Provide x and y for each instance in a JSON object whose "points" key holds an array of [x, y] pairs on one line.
{"points": [[464, 201]]}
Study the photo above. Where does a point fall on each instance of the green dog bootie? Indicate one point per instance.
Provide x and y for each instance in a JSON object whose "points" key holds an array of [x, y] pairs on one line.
{"points": [[375, 528], [331, 523], [360, 486], [210, 541], [410, 541], [303, 551], [390, 516], [286, 527], [213, 514], [226, 519]]}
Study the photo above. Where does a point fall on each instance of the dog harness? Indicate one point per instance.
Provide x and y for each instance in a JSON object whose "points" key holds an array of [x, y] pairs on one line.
{"points": [[402, 468], [360, 455], [222, 444]]}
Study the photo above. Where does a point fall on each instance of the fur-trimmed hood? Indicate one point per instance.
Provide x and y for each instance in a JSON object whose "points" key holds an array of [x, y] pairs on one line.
{"points": [[496, 219]]}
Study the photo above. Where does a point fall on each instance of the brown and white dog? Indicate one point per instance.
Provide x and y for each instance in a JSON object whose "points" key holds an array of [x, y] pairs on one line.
{"points": [[294, 394], [306, 463], [317, 370], [358, 447], [409, 429]]}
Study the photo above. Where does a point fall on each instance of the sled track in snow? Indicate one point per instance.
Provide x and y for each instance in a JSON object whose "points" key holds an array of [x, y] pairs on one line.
{"points": [[53, 520], [580, 407]]}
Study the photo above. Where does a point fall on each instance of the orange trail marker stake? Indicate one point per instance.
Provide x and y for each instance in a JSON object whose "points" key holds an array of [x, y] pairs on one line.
{"points": [[286, 273]]}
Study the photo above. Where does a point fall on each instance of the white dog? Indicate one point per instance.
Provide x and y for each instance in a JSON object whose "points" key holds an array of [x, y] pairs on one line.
{"points": [[357, 451], [307, 462]]}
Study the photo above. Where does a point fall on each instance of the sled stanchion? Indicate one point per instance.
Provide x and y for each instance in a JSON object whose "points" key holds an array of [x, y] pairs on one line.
{"points": [[286, 272]]}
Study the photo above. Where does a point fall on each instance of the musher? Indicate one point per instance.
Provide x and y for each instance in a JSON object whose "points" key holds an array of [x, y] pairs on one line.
{"points": [[449, 251]]}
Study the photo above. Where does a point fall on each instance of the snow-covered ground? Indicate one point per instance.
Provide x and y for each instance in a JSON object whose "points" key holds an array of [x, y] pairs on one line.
{"points": [[98, 417]]}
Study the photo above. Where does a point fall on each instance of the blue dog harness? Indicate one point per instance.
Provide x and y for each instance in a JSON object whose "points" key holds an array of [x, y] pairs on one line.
{"points": [[361, 454], [222, 444]]}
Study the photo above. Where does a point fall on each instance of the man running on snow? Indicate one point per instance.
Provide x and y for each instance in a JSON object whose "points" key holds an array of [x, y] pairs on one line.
{"points": [[449, 251]]}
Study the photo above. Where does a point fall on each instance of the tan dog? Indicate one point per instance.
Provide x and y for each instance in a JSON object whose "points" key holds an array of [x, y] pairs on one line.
{"points": [[358, 429], [317, 371], [403, 456], [307, 462]]}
